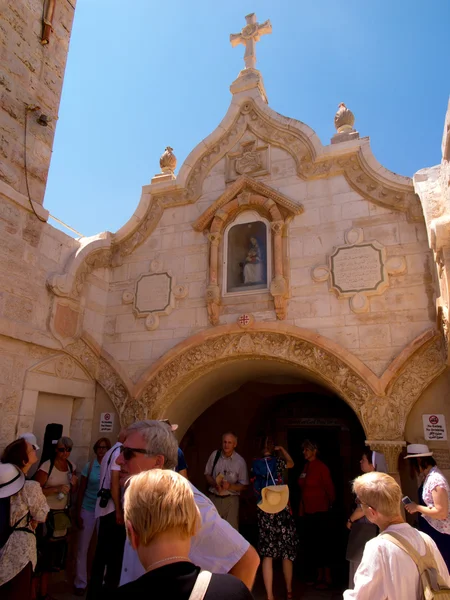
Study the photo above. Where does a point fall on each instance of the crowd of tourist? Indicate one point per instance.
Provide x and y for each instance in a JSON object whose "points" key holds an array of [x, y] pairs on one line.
{"points": [[156, 532]]}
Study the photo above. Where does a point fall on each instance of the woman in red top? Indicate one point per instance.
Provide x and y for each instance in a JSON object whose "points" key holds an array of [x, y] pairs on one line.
{"points": [[317, 497]]}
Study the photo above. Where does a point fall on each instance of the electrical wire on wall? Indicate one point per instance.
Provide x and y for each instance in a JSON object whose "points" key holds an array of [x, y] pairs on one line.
{"points": [[29, 108]]}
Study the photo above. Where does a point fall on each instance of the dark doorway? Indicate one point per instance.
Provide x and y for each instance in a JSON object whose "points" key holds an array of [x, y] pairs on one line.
{"points": [[289, 413]]}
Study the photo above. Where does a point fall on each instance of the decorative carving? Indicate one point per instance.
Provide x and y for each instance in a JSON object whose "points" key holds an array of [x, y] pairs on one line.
{"points": [[425, 365], [153, 294], [249, 35], [179, 372], [364, 181], [344, 119], [246, 189], [152, 322], [382, 418], [358, 270], [213, 303], [155, 265], [65, 367], [146, 226], [101, 370], [250, 159], [168, 161], [65, 320], [180, 291], [443, 324], [245, 320], [127, 297], [391, 451]]}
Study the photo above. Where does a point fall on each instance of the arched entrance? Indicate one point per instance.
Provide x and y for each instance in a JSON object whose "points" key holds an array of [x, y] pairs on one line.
{"points": [[262, 397]]}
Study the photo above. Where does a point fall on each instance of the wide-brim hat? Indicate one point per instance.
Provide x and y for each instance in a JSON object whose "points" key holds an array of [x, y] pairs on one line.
{"points": [[417, 450], [12, 480], [274, 498]]}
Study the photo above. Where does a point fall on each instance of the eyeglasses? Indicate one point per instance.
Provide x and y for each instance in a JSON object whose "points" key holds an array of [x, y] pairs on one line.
{"points": [[129, 453], [65, 449], [359, 501], [102, 448]]}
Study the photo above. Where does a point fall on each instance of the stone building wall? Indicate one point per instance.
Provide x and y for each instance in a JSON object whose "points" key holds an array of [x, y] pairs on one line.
{"points": [[30, 74], [331, 207]]}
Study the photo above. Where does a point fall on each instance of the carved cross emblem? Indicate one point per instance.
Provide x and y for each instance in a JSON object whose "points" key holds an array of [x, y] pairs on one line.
{"points": [[248, 159], [249, 36], [245, 320]]}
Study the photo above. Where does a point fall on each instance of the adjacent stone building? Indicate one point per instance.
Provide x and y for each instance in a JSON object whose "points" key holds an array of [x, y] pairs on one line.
{"points": [[274, 284]]}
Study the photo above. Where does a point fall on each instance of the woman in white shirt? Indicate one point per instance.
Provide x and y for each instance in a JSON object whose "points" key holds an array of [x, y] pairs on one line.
{"points": [[57, 479], [27, 507], [434, 496]]}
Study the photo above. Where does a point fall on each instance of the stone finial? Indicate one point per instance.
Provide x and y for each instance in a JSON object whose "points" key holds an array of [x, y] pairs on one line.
{"points": [[344, 119], [168, 161]]}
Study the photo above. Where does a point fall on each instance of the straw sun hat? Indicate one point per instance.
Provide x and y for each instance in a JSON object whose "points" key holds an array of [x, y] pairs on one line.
{"points": [[274, 498]]}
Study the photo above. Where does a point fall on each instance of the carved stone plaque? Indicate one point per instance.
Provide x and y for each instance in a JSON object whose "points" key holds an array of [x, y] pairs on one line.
{"points": [[357, 268], [153, 293]]}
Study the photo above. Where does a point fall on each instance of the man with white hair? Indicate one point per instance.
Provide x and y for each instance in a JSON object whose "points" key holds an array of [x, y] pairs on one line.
{"points": [[217, 547], [387, 571]]}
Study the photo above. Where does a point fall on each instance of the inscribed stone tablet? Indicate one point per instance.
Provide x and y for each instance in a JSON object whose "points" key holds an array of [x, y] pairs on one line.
{"points": [[357, 268], [153, 292]]}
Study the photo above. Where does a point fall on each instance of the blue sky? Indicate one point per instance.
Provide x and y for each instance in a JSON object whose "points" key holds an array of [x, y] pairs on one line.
{"points": [[145, 74]]}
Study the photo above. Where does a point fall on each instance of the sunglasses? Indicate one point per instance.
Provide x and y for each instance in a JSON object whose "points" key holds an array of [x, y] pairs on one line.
{"points": [[102, 448], [64, 449], [129, 453], [359, 501]]}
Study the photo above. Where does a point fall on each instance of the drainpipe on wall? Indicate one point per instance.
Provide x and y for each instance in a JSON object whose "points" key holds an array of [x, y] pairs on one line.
{"points": [[47, 21]]}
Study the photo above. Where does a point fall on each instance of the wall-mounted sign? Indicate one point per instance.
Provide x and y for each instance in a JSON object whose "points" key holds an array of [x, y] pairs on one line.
{"points": [[106, 422], [434, 427]]}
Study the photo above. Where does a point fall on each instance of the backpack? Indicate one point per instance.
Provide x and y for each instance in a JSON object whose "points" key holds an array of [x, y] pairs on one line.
{"points": [[6, 529], [433, 586]]}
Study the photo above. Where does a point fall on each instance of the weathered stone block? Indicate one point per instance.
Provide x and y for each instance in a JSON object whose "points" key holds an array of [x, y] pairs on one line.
{"points": [[374, 336]]}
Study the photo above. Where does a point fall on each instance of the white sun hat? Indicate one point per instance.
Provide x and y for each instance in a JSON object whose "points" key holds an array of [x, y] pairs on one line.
{"points": [[274, 498], [11, 480], [417, 450], [31, 439]]}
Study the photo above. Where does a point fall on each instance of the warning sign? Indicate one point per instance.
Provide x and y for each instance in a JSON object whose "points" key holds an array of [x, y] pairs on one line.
{"points": [[434, 427], [106, 422]]}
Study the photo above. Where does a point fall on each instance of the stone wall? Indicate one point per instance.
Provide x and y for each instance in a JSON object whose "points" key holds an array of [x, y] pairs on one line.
{"points": [[30, 74]]}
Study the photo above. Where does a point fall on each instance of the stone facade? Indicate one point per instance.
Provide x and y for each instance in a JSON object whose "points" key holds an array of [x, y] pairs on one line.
{"points": [[355, 277], [31, 75]]}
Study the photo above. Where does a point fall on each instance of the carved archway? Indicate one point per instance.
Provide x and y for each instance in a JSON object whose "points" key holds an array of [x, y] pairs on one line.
{"points": [[381, 404]]}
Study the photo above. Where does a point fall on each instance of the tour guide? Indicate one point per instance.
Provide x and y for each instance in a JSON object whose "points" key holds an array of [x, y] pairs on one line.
{"points": [[227, 475]]}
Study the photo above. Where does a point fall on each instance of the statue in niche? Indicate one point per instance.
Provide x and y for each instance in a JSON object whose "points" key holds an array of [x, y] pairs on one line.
{"points": [[246, 261], [253, 268]]}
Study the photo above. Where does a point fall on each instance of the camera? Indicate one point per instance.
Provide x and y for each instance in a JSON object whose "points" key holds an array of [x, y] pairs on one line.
{"points": [[105, 496]]}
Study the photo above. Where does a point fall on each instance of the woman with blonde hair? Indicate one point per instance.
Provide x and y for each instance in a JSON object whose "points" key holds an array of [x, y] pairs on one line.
{"points": [[161, 517]]}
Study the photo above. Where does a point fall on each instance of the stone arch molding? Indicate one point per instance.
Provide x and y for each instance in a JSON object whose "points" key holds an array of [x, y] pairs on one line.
{"points": [[382, 404], [247, 112]]}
